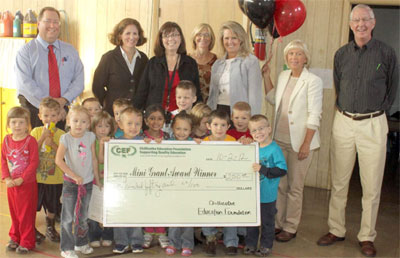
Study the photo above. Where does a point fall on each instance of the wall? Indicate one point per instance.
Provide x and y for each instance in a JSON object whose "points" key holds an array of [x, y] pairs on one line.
{"points": [[324, 31]]}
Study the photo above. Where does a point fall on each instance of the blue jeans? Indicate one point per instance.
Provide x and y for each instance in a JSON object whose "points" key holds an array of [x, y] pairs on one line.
{"points": [[230, 235], [181, 237], [96, 232], [68, 217], [268, 211], [128, 236]]}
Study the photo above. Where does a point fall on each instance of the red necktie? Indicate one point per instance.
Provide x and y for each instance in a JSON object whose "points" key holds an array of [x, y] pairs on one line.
{"points": [[54, 77]]}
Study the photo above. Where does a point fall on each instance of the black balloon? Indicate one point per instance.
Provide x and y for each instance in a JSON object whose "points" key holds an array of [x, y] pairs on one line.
{"points": [[260, 12], [274, 33]]}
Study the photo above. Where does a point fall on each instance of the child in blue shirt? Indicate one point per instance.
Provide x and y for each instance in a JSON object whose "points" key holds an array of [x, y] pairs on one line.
{"points": [[272, 166], [130, 123]]}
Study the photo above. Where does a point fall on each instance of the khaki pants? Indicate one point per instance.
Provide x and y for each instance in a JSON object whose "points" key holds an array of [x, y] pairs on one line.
{"points": [[290, 191], [367, 138]]}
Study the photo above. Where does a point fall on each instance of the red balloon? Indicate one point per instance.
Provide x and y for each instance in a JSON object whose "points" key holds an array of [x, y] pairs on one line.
{"points": [[289, 16]]}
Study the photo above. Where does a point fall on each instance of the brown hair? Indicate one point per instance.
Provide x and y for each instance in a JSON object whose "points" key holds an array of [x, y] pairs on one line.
{"points": [[92, 99], [50, 103], [103, 116], [115, 35], [197, 30], [198, 112], [257, 118], [166, 28], [131, 110], [19, 112], [122, 102], [219, 114], [183, 116], [242, 106], [187, 85], [48, 8]]}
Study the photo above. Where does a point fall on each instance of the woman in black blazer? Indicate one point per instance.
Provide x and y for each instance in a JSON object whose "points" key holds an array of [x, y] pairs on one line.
{"points": [[159, 75], [119, 71]]}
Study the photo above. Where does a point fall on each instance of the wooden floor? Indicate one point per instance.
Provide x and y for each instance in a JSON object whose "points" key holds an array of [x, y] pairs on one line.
{"points": [[313, 225]]}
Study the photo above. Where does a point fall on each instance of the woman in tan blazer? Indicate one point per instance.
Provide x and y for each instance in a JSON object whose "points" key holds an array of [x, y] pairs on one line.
{"points": [[298, 107]]}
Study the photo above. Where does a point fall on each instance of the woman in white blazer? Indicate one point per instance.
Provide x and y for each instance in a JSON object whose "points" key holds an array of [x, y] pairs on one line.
{"points": [[298, 107]]}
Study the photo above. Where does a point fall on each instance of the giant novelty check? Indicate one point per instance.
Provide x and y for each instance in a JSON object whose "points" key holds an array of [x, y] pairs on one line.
{"points": [[180, 183]]}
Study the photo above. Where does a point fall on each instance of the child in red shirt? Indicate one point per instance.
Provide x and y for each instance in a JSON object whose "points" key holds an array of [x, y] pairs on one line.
{"points": [[241, 113], [19, 161]]}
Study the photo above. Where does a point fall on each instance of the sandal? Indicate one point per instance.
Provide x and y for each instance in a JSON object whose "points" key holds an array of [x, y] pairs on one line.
{"points": [[170, 250], [186, 252]]}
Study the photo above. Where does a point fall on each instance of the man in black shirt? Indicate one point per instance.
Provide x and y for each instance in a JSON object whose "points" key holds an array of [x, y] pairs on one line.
{"points": [[366, 76]]}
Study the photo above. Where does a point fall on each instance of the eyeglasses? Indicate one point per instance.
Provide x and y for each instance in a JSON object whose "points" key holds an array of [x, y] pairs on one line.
{"points": [[204, 35], [259, 129], [172, 35], [362, 19], [48, 22]]}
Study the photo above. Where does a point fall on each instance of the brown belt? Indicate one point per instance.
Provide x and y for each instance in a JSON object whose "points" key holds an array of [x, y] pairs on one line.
{"points": [[362, 117]]}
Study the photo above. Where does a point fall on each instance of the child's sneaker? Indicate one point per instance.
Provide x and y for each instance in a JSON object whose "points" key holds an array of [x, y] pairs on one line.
{"points": [[163, 240], [242, 242], [170, 250], [39, 237], [106, 243], [186, 252], [137, 249], [263, 252], [21, 250], [69, 254], [120, 249], [12, 245], [148, 238], [85, 249], [95, 243], [249, 250]]}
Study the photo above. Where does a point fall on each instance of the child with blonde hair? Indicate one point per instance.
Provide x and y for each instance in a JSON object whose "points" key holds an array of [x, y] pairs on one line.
{"points": [[200, 114], [77, 148], [49, 176], [103, 126], [19, 161]]}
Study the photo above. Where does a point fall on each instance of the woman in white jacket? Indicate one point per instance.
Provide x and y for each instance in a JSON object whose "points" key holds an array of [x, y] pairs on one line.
{"points": [[298, 107]]}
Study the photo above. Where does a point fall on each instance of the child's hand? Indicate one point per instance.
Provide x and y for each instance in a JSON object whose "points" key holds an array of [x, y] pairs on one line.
{"points": [[147, 140], [48, 141], [197, 140], [100, 185], [158, 140], [78, 180], [9, 182], [104, 139], [18, 181], [256, 167], [245, 140], [46, 133]]}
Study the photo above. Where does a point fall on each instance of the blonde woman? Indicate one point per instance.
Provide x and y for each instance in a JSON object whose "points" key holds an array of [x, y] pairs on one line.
{"points": [[203, 41], [236, 76], [298, 106]]}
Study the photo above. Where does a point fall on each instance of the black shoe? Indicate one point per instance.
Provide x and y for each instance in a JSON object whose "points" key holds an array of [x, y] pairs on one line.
{"points": [[231, 250], [211, 248], [39, 237], [242, 242]]}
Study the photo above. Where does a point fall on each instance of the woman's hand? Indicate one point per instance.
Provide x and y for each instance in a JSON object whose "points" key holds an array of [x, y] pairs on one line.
{"points": [[304, 151], [266, 71]]}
